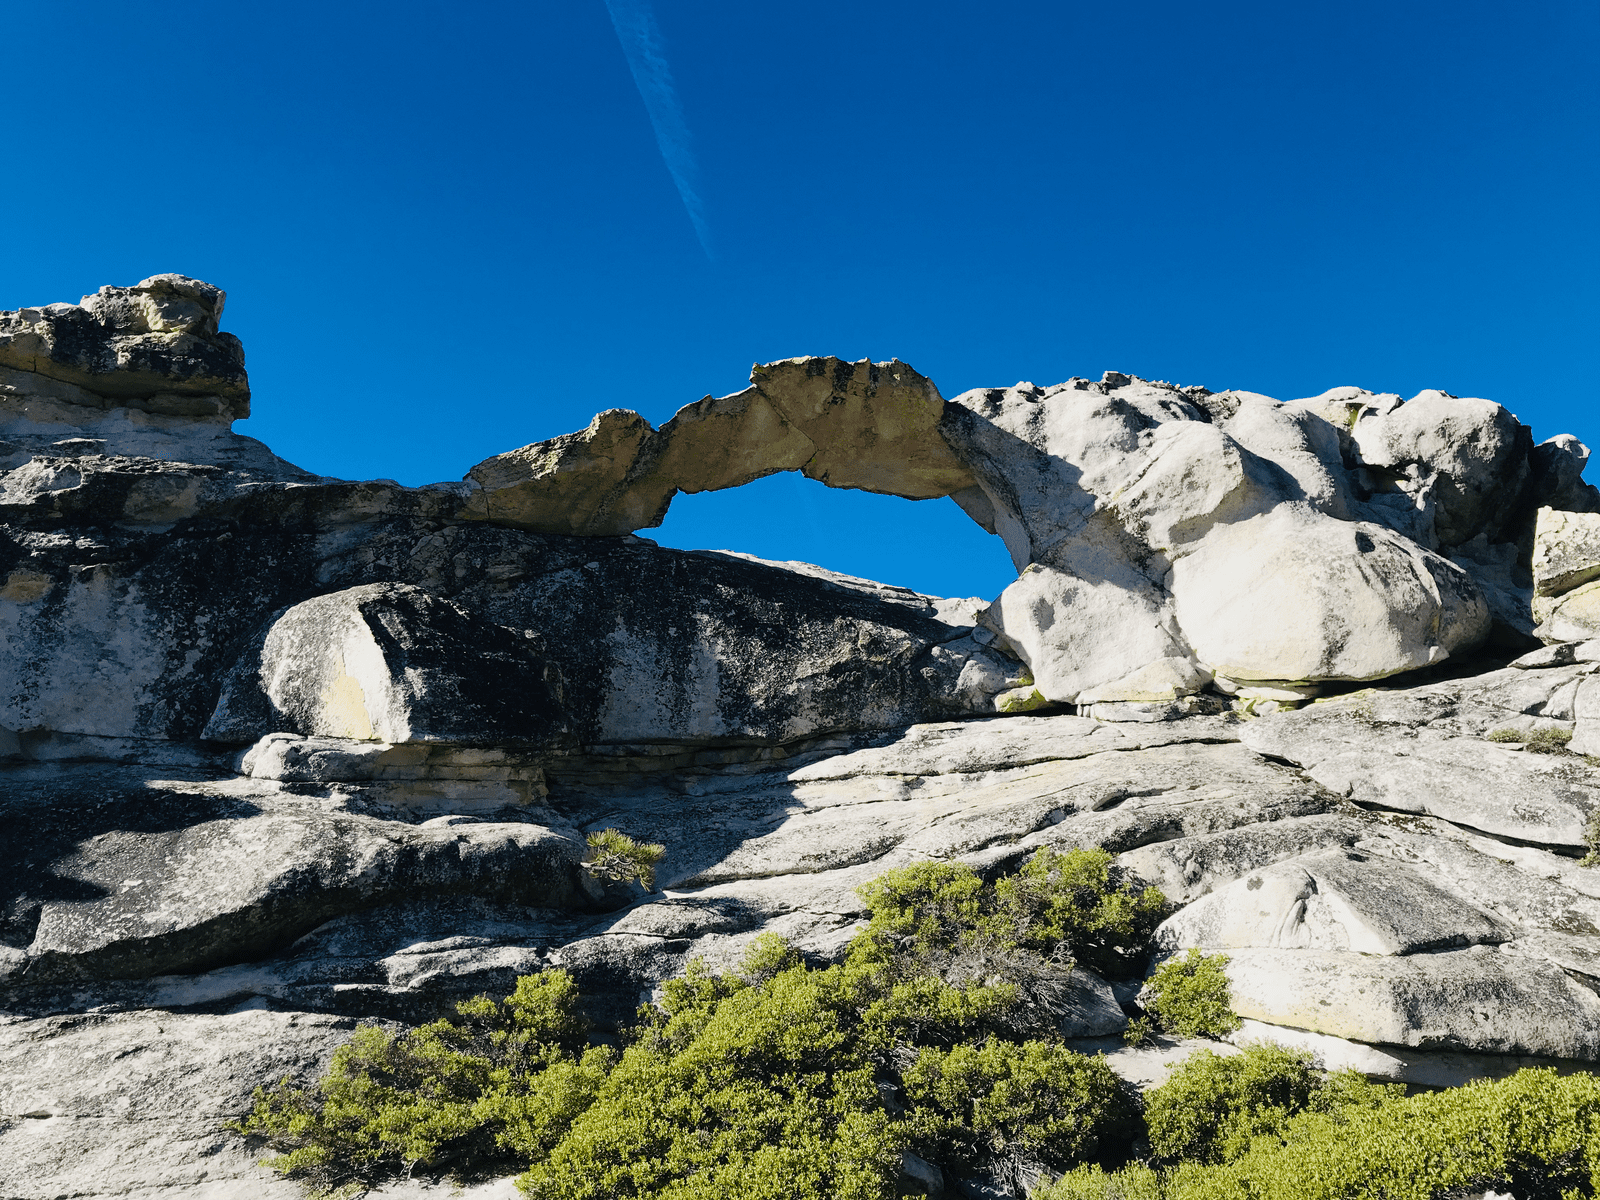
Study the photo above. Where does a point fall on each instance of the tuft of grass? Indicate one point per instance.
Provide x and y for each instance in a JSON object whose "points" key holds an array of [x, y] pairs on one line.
{"points": [[1543, 741], [616, 857], [1549, 741]]}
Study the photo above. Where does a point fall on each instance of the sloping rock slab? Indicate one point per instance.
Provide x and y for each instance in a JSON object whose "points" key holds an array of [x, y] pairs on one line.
{"points": [[1332, 901], [124, 873], [1406, 753], [1480, 1000], [133, 1103]]}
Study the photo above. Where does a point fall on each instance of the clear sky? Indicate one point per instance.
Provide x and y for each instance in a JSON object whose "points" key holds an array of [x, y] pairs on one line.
{"points": [[447, 231]]}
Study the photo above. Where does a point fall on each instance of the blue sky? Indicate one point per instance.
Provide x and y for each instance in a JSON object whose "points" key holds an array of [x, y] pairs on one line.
{"points": [[447, 231]]}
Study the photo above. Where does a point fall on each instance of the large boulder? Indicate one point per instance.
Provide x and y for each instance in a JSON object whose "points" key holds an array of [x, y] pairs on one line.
{"points": [[1464, 459], [392, 663], [1295, 594], [1332, 901], [1566, 551], [1480, 999], [1150, 531]]}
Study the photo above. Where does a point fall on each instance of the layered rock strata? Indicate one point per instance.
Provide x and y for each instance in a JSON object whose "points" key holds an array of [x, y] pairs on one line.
{"points": [[278, 751]]}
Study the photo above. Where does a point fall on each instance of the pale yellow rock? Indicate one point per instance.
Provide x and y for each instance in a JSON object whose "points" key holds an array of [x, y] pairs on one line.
{"points": [[1566, 550], [572, 483], [873, 426], [724, 442], [24, 586], [1574, 617]]}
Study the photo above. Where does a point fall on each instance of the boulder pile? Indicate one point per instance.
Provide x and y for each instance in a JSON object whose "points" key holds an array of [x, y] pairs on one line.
{"points": [[279, 752]]}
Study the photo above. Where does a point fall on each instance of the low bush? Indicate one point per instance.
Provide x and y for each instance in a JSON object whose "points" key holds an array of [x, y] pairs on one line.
{"points": [[1189, 996], [1082, 901], [1551, 740], [1213, 1107], [495, 1084], [1014, 1109], [1061, 906], [774, 1080], [734, 1089], [1091, 1181], [1535, 1134]]}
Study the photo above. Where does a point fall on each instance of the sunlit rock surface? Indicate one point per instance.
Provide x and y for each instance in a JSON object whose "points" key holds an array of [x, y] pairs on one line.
{"points": [[279, 752]]}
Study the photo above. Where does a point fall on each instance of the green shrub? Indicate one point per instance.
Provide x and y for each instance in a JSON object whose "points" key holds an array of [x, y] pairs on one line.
{"points": [[1082, 901], [1552, 740], [1019, 1106], [921, 914], [734, 1090], [1534, 1133], [493, 1084], [1212, 1106], [617, 857], [1140, 1031], [1076, 905], [1591, 838], [1093, 1182], [1189, 996]]}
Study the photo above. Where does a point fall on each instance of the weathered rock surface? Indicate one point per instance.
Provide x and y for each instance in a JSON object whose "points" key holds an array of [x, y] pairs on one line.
{"points": [[1423, 751], [864, 425], [1566, 550], [1332, 901], [278, 751], [154, 347]]}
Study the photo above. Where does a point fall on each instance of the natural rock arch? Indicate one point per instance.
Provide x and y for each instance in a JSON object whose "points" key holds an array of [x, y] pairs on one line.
{"points": [[1147, 522], [873, 426]]}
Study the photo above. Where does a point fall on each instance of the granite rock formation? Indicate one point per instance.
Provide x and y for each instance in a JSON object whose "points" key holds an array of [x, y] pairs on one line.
{"points": [[280, 752]]}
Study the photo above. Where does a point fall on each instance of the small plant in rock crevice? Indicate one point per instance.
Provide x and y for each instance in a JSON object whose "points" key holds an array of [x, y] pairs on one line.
{"points": [[1591, 837], [618, 858], [1551, 740]]}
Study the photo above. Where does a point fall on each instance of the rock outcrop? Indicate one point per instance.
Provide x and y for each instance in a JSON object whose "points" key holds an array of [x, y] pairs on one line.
{"points": [[281, 751], [1346, 537]]}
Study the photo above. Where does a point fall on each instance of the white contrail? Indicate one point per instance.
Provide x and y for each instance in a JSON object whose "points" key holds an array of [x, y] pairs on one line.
{"points": [[641, 43]]}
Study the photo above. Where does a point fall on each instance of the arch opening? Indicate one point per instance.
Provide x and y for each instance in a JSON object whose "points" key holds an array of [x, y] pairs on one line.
{"points": [[929, 546]]}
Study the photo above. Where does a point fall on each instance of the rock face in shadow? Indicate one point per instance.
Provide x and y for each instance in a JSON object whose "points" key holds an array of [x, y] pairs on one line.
{"points": [[278, 752], [392, 663]]}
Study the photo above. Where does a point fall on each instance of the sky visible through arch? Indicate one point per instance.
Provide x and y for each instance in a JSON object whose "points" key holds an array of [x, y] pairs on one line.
{"points": [[449, 231]]}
